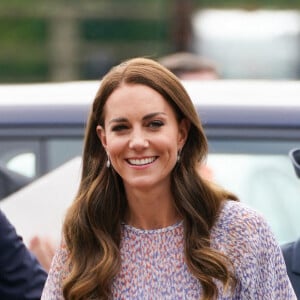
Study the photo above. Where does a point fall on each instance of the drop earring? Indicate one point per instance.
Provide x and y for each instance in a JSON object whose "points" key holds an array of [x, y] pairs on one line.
{"points": [[108, 162], [178, 155]]}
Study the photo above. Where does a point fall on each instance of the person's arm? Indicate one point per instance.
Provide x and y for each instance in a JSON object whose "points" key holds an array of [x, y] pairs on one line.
{"points": [[44, 249], [21, 275]]}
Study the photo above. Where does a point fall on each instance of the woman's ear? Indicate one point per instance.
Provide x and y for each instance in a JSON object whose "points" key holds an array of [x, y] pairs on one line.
{"points": [[184, 128], [101, 135]]}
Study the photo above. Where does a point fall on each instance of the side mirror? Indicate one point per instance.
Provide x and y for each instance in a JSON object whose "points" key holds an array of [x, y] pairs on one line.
{"points": [[11, 181], [295, 158]]}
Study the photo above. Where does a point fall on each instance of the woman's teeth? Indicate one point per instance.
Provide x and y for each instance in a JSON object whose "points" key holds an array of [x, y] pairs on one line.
{"points": [[141, 162]]}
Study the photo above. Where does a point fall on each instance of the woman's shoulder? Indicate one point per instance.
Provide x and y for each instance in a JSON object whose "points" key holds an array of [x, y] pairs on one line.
{"points": [[239, 225], [243, 235], [235, 214]]}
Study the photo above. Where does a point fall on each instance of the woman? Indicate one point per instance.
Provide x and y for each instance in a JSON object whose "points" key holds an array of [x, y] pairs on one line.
{"points": [[144, 224]]}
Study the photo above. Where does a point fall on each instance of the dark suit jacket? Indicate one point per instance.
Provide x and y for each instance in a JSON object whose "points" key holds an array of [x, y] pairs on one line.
{"points": [[291, 254], [21, 276]]}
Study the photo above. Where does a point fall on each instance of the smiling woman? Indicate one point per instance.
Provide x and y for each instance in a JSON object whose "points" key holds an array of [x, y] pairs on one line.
{"points": [[142, 144], [147, 224]]}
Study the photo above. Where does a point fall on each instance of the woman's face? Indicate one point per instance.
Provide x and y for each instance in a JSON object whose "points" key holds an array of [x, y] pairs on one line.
{"points": [[141, 136]]}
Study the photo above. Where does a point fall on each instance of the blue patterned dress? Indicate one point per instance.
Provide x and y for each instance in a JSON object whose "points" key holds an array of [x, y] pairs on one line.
{"points": [[153, 265]]}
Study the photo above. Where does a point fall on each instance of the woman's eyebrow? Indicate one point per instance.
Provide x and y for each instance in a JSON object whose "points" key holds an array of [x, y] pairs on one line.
{"points": [[118, 120], [146, 117], [149, 116]]}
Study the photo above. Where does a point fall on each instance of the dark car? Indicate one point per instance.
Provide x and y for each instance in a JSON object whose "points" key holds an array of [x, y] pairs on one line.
{"points": [[251, 126]]}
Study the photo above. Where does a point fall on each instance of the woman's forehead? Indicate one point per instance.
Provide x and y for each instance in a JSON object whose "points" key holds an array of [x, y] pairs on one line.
{"points": [[135, 99]]}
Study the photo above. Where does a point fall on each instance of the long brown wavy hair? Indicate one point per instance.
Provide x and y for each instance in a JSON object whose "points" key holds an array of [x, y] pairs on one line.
{"points": [[92, 227]]}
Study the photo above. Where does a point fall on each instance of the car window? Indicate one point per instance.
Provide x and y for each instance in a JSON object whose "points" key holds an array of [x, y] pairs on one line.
{"points": [[262, 176], [61, 150], [37, 156]]}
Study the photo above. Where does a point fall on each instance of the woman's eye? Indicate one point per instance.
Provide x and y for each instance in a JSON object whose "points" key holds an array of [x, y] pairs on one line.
{"points": [[119, 127], [156, 124]]}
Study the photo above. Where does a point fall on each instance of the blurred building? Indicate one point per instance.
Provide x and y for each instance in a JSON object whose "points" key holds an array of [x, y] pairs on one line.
{"points": [[257, 44]]}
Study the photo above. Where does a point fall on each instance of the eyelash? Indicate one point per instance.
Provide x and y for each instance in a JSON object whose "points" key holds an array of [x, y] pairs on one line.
{"points": [[153, 124], [119, 127]]}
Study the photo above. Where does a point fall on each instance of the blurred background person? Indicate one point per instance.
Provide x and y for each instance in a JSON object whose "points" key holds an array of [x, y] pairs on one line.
{"points": [[291, 251], [187, 65], [21, 275]]}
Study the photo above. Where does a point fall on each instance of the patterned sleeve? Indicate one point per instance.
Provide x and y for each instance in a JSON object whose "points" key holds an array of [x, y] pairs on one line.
{"points": [[250, 244], [53, 287]]}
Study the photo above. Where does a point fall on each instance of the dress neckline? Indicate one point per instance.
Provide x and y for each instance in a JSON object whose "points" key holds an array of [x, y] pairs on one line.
{"points": [[153, 231]]}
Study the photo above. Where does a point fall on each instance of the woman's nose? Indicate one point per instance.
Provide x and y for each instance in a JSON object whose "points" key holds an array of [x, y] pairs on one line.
{"points": [[138, 140]]}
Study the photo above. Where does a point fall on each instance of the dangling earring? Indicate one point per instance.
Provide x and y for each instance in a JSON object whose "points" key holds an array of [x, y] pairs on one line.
{"points": [[108, 162], [178, 155]]}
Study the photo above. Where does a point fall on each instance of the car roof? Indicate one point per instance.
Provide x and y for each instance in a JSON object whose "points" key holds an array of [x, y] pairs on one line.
{"points": [[54, 93], [219, 102], [212, 92]]}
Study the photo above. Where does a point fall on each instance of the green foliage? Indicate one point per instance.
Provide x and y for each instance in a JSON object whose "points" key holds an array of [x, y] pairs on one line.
{"points": [[22, 30], [23, 54], [28, 71], [124, 30]]}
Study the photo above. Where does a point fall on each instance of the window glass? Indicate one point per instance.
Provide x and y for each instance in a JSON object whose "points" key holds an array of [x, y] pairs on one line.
{"points": [[264, 178], [24, 163], [61, 150]]}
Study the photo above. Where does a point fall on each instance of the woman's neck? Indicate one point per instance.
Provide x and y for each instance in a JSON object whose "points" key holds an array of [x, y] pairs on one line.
{"points": [[151, 211]]}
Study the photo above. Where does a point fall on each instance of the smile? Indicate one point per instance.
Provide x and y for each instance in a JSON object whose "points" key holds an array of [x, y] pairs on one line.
{"points": [[142, 161]]}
